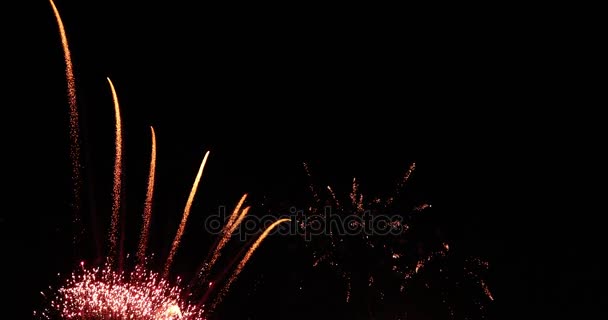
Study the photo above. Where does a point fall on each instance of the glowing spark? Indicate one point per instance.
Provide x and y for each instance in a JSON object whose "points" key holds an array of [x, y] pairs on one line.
{"points": [[421, 207], [245, 259], [486, 290], [143, 240], [74, 130], [182, 225], [117, 177], [173, 311]]}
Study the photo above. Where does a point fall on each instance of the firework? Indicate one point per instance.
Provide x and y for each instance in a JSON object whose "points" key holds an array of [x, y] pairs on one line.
{"points": [[101, 293], [145, 229], [142, 294], [182, 224], [74, 130], [117, 176], [393, 263], [227, 232]]}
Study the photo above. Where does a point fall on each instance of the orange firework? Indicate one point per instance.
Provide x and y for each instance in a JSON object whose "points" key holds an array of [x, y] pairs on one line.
{"points": [[143, 240], [182, 225], [74, 131], [117, 177], [234, 214]]}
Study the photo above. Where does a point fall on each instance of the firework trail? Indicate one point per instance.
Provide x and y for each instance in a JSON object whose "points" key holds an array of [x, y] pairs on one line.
{"points": [[225, 234], [116, 190], [234, 214], [233, 222], [486, 290], [182, 225], [208, 263], [243, 262], [74, 130], [143, 240]]}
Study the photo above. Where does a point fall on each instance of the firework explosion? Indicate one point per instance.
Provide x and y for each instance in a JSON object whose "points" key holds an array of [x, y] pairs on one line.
{"points": [[101, 293], [109, 292], [375, 265]]}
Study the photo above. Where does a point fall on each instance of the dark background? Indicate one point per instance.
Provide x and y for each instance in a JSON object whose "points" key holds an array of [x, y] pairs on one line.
{"points": [[354, 91]]}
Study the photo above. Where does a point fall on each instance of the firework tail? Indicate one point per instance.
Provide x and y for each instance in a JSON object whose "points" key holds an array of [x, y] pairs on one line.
{"points": [[147, 215], [212, 285], [227, 226], [117, 186], [182, 225], [74, 123], [227, 232]]}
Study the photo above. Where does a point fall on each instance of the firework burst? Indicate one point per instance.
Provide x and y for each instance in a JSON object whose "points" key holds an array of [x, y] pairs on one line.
{"points": [[109, 292], [101, 293], [382, 252]]}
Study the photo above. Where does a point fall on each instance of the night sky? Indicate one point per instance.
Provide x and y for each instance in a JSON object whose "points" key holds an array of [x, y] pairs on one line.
{"points": [[354, 92]]}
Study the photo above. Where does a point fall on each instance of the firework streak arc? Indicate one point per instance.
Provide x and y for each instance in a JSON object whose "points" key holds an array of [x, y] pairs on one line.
{"points": [[116, 189], [182, 225], [74, 118], [147, 215]]}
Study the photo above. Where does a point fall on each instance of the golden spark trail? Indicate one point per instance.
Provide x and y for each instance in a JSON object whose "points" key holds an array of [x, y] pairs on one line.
{"points": [[182, 225], [225, 238], [234, 214], [210, 260], [235, 225], [74, 131], [117, 177], [143, 240], [245, 259]]}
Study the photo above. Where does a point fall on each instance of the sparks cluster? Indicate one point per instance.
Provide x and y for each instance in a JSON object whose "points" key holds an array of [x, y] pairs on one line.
{"points": [[101, 293]]}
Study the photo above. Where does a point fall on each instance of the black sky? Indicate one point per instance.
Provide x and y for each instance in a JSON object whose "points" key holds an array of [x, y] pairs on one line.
{"points": [[354, 91]]}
